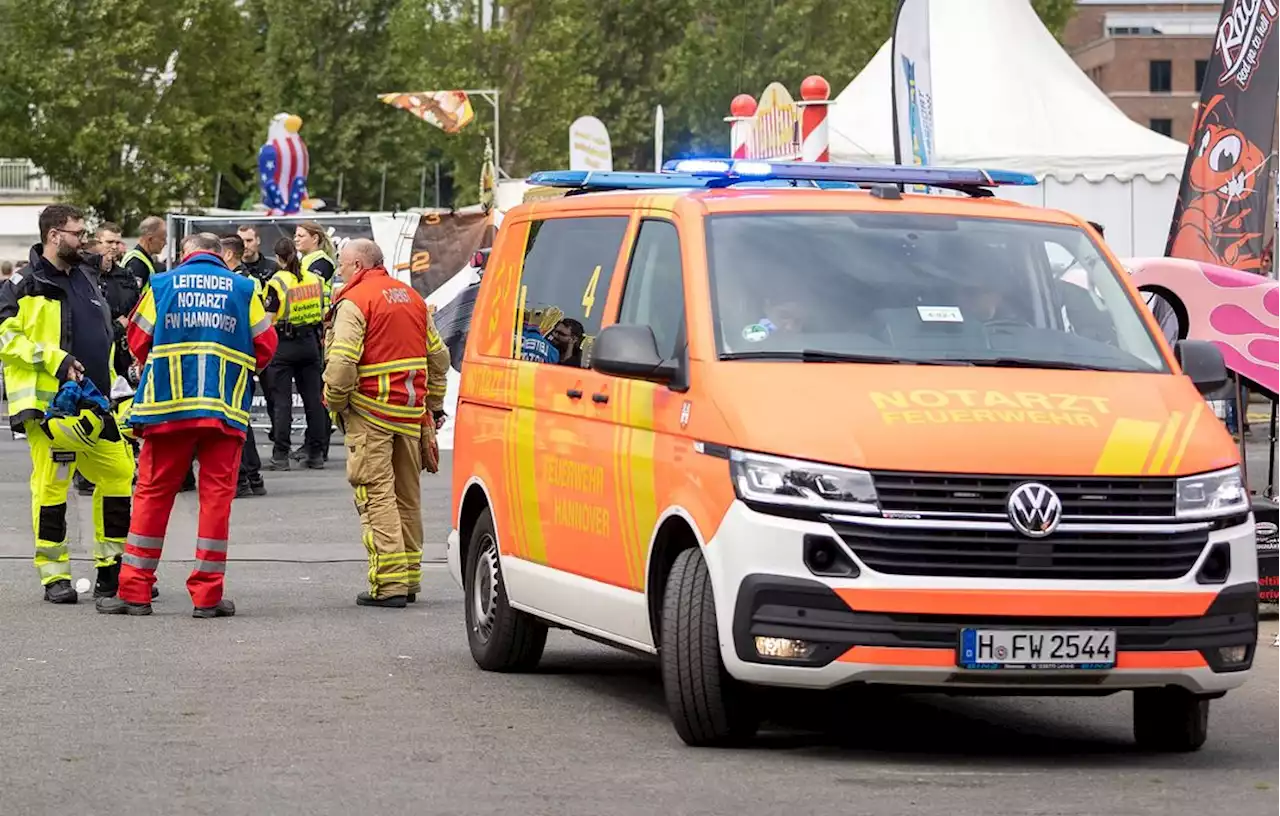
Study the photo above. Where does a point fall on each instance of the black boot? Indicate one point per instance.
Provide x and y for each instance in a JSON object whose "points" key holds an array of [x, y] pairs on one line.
{"points": [[115, 606], [257, 486], [277, 464], [412, 597], [391, 602], [243, 491], [60, 592], [108, 581], [224, 609], [315, 463], [299, 453]]}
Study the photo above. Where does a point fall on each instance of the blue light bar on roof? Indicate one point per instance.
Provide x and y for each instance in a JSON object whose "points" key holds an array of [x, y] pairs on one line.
{"points": [[751, 169], [609, 180]]}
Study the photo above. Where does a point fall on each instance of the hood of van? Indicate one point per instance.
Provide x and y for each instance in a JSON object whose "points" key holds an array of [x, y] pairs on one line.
{"points": [[971, 420]]}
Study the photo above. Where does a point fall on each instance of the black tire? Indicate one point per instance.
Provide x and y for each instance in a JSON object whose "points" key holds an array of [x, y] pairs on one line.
{"points": [[707, 706], [502, 639], [1170, 720]]}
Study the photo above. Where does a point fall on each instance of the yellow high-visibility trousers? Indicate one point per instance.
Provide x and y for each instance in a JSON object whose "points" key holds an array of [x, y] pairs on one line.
{"points": [[385, 470], [59, 448]]}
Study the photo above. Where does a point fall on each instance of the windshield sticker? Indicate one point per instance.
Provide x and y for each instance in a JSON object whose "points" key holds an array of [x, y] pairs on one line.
{"points": [[940, 314], [926, 406], [755, 333]]}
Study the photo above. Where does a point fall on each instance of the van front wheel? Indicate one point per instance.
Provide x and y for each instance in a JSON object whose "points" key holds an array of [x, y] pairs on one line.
{"points": [[1170, 720], [502, 639], [707, 706]]}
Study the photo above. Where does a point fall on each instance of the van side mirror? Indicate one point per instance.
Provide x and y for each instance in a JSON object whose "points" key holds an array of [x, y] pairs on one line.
{"points": [[480, 258], [1202, 362], [630, 350]]}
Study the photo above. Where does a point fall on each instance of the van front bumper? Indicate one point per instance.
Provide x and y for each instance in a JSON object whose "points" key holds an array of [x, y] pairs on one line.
{"points": [[905, 630]]}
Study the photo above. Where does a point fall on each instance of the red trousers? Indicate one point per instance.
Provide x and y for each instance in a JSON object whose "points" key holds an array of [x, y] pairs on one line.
{"points": [[162, 465]]}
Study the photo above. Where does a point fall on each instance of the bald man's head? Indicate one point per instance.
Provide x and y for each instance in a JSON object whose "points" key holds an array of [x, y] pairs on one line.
{"points": [[153, 234], [361, 253]]}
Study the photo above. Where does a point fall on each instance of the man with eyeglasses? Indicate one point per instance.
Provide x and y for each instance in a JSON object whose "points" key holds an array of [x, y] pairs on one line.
{"points": [[55, 328]]}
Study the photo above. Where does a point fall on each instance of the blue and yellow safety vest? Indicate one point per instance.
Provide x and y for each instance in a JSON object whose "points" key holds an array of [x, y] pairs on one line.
{"points": [[203, 319]]}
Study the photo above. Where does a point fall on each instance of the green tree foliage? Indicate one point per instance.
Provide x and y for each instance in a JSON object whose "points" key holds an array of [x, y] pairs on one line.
{"points": [[131, 104], [81, 97]]}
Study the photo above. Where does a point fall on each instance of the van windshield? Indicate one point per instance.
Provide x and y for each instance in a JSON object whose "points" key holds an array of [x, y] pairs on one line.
{"points": [[930, 289]]}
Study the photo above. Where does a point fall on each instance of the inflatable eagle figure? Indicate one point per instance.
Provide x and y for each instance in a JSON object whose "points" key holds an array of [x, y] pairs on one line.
{"points": [[282, 168]]}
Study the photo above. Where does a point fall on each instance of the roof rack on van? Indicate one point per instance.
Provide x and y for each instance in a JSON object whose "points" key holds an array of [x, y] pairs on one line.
{"points": [[713, 173]]}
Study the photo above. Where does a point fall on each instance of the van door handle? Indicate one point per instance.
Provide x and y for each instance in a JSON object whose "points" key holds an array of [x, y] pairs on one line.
{"points": [[573, 393], [600, 399]]}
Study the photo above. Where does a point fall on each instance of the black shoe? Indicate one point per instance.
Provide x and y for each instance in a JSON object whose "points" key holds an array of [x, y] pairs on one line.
{"points": [[115, 606], [224, 609], [108, 581], [392, 602], [61, 592], [299, 454], [277, 464], [315, 463], [412, 597], [243, 491], [258, 487], [155, 592]]}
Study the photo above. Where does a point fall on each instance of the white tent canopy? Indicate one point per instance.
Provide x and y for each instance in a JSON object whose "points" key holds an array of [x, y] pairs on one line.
{"points": [[1006, 95]]}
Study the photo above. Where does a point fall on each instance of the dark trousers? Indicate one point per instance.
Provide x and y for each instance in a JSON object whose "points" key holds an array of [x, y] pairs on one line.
{"points": [[268, 396], [250, 461], [298, 360]]}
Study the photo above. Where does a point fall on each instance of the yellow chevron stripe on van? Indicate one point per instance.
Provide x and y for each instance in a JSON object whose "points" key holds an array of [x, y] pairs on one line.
{"points": [[1185, 440], [1166, 442], [1127, 447]]}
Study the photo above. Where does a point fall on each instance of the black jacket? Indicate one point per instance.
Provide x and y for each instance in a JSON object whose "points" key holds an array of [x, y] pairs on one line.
{"points": [[41, 279]]}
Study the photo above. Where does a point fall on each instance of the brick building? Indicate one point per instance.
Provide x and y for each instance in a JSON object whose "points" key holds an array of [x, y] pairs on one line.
{"points": [[1149, 57]]}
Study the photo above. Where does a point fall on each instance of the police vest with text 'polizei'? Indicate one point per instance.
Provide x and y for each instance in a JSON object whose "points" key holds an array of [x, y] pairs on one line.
{"points": [[302, 298], [202, 353], [392, 370]]}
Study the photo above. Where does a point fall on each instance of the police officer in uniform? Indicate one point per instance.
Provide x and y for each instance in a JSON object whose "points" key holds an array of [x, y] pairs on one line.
{"points": [[295, 298], [141, 260], [250, 483], [320, 257]]}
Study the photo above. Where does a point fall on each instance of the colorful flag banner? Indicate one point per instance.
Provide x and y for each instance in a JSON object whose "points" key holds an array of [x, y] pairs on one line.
{"points": [[912, 87], [448, 110]]}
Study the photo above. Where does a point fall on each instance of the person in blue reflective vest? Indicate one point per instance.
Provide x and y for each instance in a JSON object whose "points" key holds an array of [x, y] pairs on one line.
{"points": [[200, 332]]}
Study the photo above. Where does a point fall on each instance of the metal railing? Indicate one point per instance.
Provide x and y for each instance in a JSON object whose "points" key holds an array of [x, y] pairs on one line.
{"points": [[22, 176]]}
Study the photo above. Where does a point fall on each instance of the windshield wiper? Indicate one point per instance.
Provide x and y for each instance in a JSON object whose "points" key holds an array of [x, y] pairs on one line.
{"points": [[815, 356], [1031, 362]]}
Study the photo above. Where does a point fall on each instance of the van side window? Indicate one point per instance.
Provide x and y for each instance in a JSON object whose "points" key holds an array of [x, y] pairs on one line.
{"points": [[568, 265], [654, 294]]}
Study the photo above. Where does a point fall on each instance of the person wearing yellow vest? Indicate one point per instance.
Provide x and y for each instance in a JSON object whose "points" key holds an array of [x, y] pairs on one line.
{"points": [[385, 379], [320, 257], [141, 260], [296, 302], [55, 327]]}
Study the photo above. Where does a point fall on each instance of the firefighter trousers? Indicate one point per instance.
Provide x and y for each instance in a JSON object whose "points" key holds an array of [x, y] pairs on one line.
{"points": [[59, 449], [162, 465], [385, 470]]}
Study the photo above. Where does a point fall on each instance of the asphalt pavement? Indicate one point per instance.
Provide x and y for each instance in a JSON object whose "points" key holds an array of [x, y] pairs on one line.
{"points": [[307, 704]]}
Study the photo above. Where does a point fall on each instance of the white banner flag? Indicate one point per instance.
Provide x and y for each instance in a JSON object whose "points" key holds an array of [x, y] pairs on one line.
{"points": [[912, 88], [589, 147]]}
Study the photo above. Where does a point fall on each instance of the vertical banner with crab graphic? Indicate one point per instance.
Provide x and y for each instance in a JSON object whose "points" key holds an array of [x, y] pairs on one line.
{"points": [[1222, 207]]}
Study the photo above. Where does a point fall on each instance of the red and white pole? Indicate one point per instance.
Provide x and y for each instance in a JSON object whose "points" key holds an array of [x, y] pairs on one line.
{"points": [[741, 109], [815, 142]]}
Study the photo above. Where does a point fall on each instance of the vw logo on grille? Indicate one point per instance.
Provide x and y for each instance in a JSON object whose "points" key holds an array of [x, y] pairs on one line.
{"points": [[1034, 510]]}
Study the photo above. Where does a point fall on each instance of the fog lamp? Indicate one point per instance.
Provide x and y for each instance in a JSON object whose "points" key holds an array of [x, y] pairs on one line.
{"points": [[784, 648], [1233, 655]]}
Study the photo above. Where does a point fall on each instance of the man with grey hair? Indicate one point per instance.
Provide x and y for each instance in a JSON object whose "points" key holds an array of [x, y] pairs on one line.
{"points": [[141, 260], [384, 380]]}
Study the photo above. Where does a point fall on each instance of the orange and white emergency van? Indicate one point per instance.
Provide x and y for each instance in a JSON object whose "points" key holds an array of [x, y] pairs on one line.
{"points": [[795, 425]]}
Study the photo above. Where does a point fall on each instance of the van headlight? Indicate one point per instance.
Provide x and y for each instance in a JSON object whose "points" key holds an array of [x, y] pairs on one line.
{"points": [[1220, 493], [789, 482]]}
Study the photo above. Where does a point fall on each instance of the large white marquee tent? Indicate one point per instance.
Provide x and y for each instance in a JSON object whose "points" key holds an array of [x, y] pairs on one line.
{"points": [[1006, 95]]}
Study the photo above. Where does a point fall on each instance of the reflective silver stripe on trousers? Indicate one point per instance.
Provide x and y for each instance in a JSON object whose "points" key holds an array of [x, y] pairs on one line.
{"points": [[138, 562], [149, 542], [53, 552], [211, 566], [211, 544]]}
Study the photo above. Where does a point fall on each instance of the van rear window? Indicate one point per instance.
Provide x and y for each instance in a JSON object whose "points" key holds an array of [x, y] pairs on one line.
{"points": [[921, 288]]}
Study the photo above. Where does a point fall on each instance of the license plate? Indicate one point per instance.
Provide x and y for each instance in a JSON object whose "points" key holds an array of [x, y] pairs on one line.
{"points": [[1037, 649]]}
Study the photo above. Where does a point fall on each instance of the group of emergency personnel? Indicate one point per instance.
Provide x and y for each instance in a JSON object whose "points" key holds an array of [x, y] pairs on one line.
{"points": [[192, 339]]}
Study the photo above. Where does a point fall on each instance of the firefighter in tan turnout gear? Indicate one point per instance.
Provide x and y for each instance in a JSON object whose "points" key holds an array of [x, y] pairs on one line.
{"points": [[384, 379]]}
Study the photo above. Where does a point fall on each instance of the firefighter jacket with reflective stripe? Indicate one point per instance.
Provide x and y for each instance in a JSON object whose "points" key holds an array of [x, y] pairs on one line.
{"points": [[36, 334], [203, 321], [302, 298], [384, 359]]}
